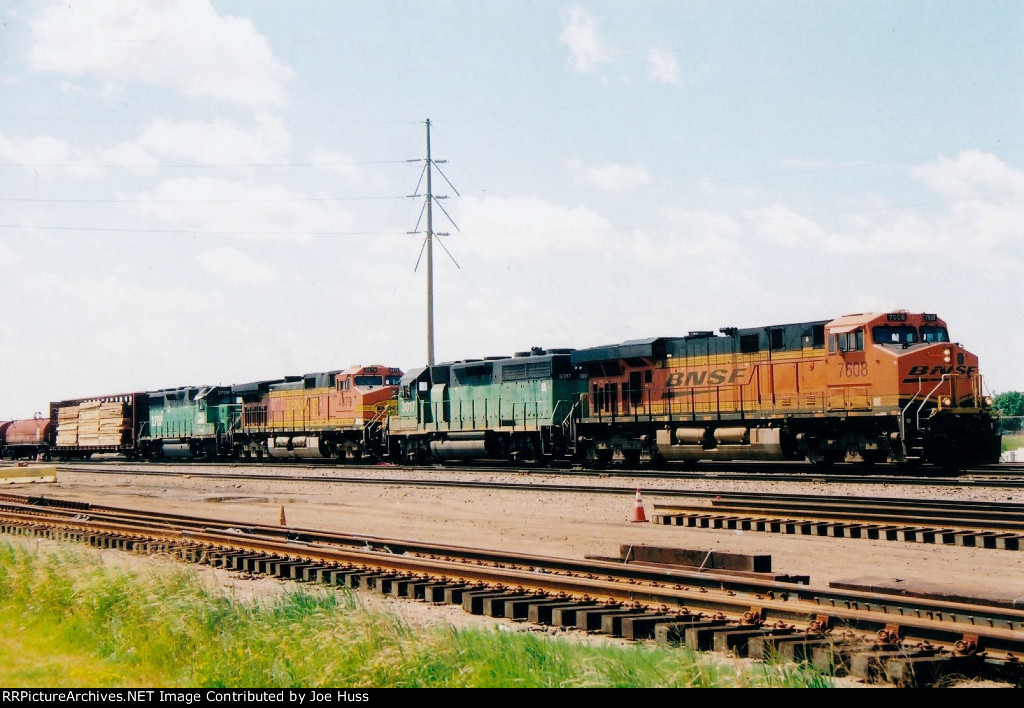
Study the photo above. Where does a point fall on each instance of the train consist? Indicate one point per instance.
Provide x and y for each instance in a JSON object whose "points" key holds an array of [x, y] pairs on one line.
{"points": [[879, 387]]}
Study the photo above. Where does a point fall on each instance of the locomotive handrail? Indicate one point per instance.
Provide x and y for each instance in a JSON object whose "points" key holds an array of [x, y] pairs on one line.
{"points": [[925, 400], [566, 424], [903, 415]]}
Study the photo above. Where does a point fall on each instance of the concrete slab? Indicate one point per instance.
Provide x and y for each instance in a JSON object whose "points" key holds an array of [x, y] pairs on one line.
{"points": [[28, 474]]}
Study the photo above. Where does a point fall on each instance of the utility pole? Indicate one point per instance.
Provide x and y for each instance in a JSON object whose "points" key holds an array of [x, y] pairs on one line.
{"points": [[428, 242], [430, 259]]}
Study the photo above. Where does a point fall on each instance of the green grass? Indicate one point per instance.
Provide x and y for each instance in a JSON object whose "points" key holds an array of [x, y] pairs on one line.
{"points": [[1012, 441], [66, 620]]}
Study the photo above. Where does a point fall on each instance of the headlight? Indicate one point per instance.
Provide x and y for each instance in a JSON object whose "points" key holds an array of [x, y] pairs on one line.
{"points": [[946, 354], [947, 401], [989, 401]]}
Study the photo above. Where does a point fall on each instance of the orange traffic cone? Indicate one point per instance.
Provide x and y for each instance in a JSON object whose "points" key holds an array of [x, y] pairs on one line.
{"points": [[638, 509], [282, 516]]}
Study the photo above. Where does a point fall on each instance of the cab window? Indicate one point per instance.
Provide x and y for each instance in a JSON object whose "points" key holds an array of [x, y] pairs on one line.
{"points": [[894, 334], [369, 380], [847, 341], [931, 333]]}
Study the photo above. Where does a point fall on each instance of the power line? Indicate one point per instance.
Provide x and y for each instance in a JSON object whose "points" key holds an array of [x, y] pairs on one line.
{"points": [[202, 232], [156, 165], [191, 201], [621, 230]]}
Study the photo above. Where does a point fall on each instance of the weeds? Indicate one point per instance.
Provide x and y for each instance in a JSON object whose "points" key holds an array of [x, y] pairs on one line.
{"points": [[67, 620]]}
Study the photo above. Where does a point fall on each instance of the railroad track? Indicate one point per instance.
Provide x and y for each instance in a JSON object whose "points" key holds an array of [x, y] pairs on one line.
{"points": [[1010, 476], [908, 640], [537, 483], [994, 525]]}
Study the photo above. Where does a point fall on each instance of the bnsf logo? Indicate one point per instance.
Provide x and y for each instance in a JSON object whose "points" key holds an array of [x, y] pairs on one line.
{"points": [[704, 378], [940, 370]]}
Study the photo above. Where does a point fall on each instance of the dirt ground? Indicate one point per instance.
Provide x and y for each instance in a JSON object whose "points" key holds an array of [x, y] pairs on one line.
{"points": [[559, 523], [552, 523]]}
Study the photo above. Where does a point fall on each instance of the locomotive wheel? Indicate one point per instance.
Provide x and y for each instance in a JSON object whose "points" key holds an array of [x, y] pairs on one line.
{"points": [[826, 458], [631, 458]]}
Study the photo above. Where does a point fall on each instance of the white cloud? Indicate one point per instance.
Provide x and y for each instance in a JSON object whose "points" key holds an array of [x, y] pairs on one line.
{"points": [[614, 178], [234, 266], [700, 233], [972, 174], [525, 228], [587, 50], [783, 227], [182, 44], [338, 164], [47, 157], [662, 66], [270, 213], [218, 142]]}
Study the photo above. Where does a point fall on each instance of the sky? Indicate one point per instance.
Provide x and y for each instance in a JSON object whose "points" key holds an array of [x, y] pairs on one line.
{"points": [[199, 192]]}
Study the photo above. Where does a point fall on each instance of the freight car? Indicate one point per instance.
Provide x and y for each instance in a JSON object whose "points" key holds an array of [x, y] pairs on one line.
{"points": [[83, 427], [27, 439]]}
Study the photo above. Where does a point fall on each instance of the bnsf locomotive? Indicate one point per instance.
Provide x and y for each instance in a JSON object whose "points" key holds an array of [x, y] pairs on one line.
{"points": [[867, 387]]}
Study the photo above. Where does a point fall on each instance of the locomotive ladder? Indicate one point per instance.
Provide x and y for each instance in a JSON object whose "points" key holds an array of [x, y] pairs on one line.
{"points": [[568, 423], [377, 421], [903, 416]]}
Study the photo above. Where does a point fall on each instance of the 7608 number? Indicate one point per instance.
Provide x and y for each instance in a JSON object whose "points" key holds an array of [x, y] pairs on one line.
{"points": [[853, 371]]}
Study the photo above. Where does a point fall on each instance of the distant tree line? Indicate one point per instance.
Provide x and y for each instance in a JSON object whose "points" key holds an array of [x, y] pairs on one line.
{"points": [[1010, 406], [1010, 403]]}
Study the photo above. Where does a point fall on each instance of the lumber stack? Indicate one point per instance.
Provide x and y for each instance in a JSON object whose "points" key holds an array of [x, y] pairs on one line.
{"points": [[67, 426], [92, 424]]}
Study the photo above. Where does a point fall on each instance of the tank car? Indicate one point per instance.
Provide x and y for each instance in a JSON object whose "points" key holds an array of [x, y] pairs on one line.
{"points": [[26, 439], [499, 408], [334, 414], [867, 387]]}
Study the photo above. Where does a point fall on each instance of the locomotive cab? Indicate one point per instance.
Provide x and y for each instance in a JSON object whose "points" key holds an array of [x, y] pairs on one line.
{"points": [[903, 367]]}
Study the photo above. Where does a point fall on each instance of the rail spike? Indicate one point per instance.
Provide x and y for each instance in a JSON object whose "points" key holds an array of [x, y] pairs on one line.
{"points": [[822, 624], [892, 634], [969, 645], [755, 617]]}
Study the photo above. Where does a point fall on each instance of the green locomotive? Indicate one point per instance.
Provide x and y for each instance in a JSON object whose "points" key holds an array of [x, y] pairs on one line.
{"points": [[192, 421], [499, 408]]}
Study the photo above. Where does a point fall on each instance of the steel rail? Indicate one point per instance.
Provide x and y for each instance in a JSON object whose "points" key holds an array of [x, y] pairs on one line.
{"points": [[1001, 476], [566, 574], [877, 511], [534, 579]]}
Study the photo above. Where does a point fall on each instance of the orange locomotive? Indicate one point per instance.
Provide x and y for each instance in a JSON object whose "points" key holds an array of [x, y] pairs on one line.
{"points": [[866, 387], [336, 414]]}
